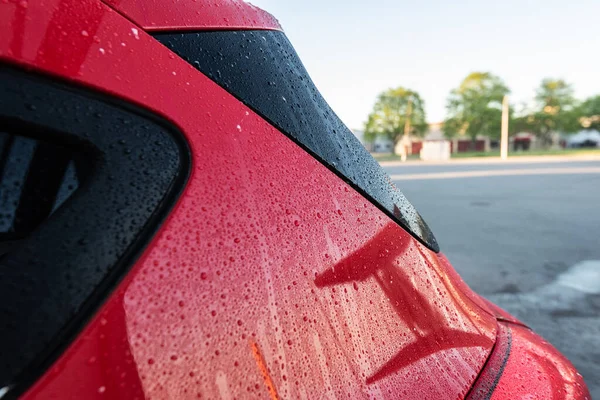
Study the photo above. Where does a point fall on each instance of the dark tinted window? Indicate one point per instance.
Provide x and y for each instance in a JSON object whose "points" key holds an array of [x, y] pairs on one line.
{"points": [[85, 182], [36, 178], [262, 69]]}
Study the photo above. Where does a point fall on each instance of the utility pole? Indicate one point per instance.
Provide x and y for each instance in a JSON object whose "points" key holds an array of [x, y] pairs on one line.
{"points": [[504, 133], [404, 141], [408, 115]]}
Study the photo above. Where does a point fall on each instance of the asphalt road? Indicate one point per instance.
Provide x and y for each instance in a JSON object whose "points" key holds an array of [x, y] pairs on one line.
{"points": [[520, 239], [418, 167]]}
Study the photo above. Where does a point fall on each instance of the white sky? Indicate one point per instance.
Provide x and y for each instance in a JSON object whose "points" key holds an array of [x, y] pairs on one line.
{"points": [[355, 49]]}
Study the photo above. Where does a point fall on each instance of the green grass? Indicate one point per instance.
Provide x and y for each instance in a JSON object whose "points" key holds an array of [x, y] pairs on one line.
{"points": [[496, 153], [469, 154], [392, 157], [559, 152]]}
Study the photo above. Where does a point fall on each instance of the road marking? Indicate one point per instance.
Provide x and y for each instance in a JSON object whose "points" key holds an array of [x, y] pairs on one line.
{"points": [[497, 160], [584, 277], [504, 172]]}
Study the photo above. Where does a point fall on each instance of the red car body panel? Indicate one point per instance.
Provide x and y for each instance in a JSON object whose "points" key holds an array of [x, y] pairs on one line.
{"points": [[549, 375], [525, 366], [157, 15], [271, 277]]}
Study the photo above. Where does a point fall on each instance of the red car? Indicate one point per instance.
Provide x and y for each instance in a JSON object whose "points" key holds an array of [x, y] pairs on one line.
{"points": [[184, 217]]}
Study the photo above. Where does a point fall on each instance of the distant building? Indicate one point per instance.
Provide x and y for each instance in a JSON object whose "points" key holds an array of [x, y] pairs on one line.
{"points": [[434, 133], [360, 134], [380, 145]]}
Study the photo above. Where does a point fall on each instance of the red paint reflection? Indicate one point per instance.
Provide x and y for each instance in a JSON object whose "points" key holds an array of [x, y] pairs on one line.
{"points": [[379, 259], [86, 25], [66, 40], [117, 365], [18, 30]]}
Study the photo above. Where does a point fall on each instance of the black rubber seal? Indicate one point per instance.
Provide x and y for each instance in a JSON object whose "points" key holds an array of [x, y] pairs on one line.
{"points": [[261, 69], [56, 278], [488, 380]]}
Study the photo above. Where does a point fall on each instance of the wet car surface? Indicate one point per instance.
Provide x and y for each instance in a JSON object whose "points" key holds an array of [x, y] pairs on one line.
{"points": [[263, 267]]}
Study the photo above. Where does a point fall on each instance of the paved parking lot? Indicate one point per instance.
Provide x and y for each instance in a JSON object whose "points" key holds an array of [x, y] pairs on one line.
{"points": [[526, 240]]}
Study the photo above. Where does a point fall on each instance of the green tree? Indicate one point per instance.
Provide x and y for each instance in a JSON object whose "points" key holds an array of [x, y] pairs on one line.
{"points": [[589, 112], [556, 110], [519, 119], [475, 107], [396, 111]]}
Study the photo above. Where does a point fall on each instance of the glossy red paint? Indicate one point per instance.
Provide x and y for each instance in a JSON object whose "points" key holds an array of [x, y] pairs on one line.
{"points": [[229, 299], [247, 289], [463, 287], [188, 15], [525, 366], [501, 314], [482, 302]]}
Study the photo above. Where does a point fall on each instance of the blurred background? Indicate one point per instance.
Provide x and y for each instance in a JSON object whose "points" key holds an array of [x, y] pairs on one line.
{"points": [[429, 88]]}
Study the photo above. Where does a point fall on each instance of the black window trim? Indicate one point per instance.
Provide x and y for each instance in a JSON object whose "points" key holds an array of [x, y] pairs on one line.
{"points": [[236, 61]]}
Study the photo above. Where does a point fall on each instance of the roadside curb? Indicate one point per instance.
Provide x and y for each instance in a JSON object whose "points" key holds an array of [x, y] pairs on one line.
{"points": [[497, 160]]}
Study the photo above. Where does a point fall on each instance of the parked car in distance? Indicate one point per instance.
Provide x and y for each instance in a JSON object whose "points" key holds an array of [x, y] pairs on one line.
{"points": [[584, 139]]}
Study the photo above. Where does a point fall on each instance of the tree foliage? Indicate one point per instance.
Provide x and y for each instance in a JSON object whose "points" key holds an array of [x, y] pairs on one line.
{"points": [[475, 107], [589, 113], [555, 110], [391, 112]]}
